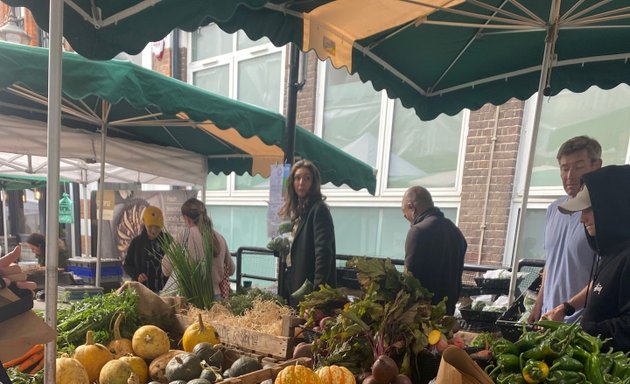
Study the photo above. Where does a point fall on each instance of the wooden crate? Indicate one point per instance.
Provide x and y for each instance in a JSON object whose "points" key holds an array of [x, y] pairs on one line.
{"points": [[266, 373], [280, 347]]}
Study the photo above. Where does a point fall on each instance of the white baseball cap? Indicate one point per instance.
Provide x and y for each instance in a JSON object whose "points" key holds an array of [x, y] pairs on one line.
{"points": [[580, 202]]}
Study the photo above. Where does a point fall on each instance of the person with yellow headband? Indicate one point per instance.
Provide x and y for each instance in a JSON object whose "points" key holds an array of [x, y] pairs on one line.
{"points": [[143, 262]]}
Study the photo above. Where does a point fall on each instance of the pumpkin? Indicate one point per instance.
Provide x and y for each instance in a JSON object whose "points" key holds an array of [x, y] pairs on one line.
{"points": [[93, 356], [335, 374], [200, 380], [119, 346], [297, 374], [186, 366], [199, 332], [70, 371], [157, 368], [150, 342], [211, 374], [139, 367], [211, 354], [117, 372]]}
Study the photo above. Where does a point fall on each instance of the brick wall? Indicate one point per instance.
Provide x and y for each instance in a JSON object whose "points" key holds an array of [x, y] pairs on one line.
{"points": [[475, 178], [305, 113]]}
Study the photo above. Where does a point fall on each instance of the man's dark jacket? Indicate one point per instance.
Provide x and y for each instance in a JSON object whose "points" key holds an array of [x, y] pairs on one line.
{"points": [[607, 310], [434, 254], [313, 250]]}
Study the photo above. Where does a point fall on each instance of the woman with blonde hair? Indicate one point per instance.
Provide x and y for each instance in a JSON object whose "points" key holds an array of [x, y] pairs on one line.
{"points": [[199, 224], [312, 255]]}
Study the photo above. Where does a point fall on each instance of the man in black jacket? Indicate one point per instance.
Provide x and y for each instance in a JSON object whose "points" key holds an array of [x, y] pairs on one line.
{"points": [[605, 204], [434, 249]]}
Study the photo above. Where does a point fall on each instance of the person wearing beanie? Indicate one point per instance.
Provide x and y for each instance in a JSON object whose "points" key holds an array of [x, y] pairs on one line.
{"points": [[605, 205], [143, 261]]}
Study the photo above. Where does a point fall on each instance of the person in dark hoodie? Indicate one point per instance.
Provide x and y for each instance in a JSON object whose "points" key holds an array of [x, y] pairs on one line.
{"points": [[143, 262], [605, 204]]}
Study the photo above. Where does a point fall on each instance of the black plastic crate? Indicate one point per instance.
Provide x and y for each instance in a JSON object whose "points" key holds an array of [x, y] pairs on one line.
{"points": [[472, 316], [493, 284]]}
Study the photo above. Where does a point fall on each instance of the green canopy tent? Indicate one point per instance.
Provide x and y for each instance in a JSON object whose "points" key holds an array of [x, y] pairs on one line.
{"points": [[137, 105]]}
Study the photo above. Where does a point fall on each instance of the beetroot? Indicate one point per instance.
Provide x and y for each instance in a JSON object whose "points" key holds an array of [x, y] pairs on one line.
{"points": [[384, 369]]}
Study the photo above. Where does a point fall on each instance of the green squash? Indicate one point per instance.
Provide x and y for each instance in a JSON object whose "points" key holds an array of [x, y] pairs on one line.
{"points": [[186, 366]]}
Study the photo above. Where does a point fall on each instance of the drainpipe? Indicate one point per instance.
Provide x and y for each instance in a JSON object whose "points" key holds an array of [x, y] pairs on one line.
{"points": [[493, 145], [175, 67]]}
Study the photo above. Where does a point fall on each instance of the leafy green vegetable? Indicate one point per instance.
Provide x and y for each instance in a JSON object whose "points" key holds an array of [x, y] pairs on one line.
{"points": [[18, 377], [96, 313], [194, 277], [240, 302]]}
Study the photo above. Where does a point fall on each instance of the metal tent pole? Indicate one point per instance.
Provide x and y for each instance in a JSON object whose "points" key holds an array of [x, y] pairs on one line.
{"points": [[550, 41], [52, 195], [101, 194]]}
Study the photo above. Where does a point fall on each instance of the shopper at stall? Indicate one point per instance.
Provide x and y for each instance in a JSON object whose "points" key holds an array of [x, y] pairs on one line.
{"points": [[199, 224], [605, 205], [312, 255], [37, 243], [434, 248], [569, 259], [143, 262]]}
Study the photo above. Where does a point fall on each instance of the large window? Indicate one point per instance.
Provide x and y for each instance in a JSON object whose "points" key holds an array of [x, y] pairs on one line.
{"points": [[237, 67], [601, 114]]}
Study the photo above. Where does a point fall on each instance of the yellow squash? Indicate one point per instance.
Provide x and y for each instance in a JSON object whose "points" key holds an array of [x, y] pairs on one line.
{"points": [[119, 346], [198, 332], [93, 356]]}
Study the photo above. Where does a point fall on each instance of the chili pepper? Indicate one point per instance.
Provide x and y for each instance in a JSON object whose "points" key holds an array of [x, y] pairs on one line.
{"points": [[566, 363], [580, 354], [546, 350], [529, 340], [549, 324], [501, 346], [611, 379], [592, 371], [588, 342], [506, 363], [605, 363], [621, 368], [510, 378], [535, 371], [565, 377]]}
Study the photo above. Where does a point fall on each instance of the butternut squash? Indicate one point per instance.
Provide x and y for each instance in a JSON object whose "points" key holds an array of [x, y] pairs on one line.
{"points": [[119, 346]]}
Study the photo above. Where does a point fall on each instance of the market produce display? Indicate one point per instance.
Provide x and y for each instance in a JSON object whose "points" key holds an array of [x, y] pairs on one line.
{"points": [[558, 353], [380, 332]]}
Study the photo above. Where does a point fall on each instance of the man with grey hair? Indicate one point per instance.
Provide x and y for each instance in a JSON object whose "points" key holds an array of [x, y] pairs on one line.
{"points": [[434, 248], [569, 259]]}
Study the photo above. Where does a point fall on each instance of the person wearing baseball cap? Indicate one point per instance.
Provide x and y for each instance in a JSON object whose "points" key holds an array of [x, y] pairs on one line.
{"points": [[604, 201], [143, 262]]}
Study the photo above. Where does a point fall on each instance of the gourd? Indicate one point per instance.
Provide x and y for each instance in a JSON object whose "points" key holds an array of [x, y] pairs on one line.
{"points": [[186, 366], [150, 342], [297, 374], [70, 371], [200, 380], [139, 367], [211, 354], [117, 372], [243, 365], [198, 332], [335, 374], [119, 346], [211, 374], [93, 356], [157, 368]]}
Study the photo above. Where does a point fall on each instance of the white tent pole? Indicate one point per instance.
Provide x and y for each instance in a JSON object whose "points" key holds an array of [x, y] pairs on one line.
{"points": [[101, 197], [86, 212], [4, 221], [73, 235], [55, 72], [550, 41]]}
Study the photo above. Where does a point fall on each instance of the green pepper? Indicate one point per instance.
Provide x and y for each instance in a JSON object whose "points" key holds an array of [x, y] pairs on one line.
{"points": [[592, 371], [580, 354], [507, 363], [605, 363], [565, 377], [610, 379], [501, 346], [510, 378], [547, 349], [549, 324], [529, 340], [566, 363], [535, 371], [621, 369], [588, 342]]}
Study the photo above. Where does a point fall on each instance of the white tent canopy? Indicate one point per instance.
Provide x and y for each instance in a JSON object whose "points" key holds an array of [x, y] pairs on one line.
{"points": [[23, 145]]}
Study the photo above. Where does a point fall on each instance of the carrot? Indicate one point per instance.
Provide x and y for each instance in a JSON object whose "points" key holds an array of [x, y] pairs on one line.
{"points": [[31, 361], [34, 349], [38, 367]]}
